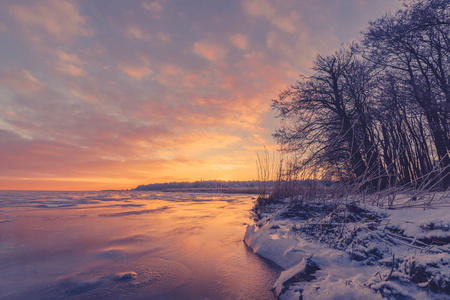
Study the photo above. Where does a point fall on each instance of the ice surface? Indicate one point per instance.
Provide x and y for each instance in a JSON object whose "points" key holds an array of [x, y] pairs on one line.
{"points": [[133, 245]]}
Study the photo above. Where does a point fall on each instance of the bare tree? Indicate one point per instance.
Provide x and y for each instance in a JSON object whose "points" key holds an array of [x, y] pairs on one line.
{"points": [[378, 115], [414, 47], [327, 116]]}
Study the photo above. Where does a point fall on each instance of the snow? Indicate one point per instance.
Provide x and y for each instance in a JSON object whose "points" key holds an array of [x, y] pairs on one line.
{"points": [[420, 223], [288, 274], [360, 251], [283, 252]]}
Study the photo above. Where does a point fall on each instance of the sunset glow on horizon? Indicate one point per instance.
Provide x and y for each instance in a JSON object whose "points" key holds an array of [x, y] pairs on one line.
{"points": [[114, 94]]}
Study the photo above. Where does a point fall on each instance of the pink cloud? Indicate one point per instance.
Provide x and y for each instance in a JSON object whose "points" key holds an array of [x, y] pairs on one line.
{"points": [[60, 18], [152, 6], [136, 72], [3, 27], [137, 33], [69, 64], [21, 81], [81, 94], [199, 110], [170, 75], [69, 69], [288, 23], [164, 37], [259, 8], [70, 58], [239, 40], [209, 51]]}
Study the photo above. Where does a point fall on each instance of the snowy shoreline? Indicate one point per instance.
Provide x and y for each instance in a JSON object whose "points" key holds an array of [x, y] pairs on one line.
{"points": [[356, 251]]}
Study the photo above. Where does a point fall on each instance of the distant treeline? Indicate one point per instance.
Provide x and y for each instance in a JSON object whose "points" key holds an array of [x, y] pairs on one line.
{"points": [[253, 186], [203, 184], [378, 112]]}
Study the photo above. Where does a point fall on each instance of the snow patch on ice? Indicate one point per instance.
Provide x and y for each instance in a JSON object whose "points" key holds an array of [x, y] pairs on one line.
{"points": [[125, 276]]}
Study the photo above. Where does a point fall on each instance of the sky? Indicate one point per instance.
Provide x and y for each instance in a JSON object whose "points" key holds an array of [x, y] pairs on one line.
{"points": [[110, 94]]}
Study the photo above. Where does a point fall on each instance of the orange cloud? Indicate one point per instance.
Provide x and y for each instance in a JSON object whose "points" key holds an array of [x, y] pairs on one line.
{"points": [[209, 51], [167, 93], [200, 141]]}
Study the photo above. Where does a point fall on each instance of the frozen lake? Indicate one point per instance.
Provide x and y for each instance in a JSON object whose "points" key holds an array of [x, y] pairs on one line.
{"points": [[134, 245]]}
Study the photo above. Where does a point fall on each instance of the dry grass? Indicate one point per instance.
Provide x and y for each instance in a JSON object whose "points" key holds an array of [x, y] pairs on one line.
{"points": [[285, 177]]}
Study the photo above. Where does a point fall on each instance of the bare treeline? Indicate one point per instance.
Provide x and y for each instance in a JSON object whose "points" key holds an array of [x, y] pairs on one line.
{"points": [[377, 113]]}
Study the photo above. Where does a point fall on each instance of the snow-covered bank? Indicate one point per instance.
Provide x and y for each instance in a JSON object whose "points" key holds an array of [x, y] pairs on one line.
{"points": [[356, 251]]}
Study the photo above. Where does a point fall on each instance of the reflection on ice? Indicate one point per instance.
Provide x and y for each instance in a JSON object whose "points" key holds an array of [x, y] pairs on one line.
{"points": [[134, 212], [140, 277], [138, 245]]}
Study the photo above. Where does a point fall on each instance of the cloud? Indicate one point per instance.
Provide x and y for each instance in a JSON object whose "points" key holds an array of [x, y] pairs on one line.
{"points": [[21, 82], [135, 32], [152, 6], [209, 51], [181, 91], [164, 37], [61, 19], [239, 40], [259, 8], [3, 27], [193, 80], [199, 141], [287, 21], [84, 95], [171, 75], [70, 64], [135, 71], [26, 161]]}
